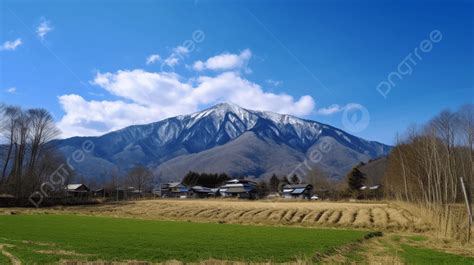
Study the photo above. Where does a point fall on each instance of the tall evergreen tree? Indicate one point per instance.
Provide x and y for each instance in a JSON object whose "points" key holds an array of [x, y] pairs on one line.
{"points": [[210, 180], [191, 178], [295, 179], [274, 182], [356, 179], [262, 189]]}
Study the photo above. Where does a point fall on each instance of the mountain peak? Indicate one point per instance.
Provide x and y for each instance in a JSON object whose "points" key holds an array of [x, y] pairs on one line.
{"points": [[227, 107], [220, 110]]}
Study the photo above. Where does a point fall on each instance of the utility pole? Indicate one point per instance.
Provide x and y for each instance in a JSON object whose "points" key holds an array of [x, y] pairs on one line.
{"points": [[468, 207]]}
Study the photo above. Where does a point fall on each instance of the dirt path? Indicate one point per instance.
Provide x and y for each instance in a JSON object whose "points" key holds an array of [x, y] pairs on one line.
{"points": [[387, 250]]}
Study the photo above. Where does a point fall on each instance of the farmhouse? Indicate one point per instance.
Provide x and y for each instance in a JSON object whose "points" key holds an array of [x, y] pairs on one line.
{"points": [[240, 188], [297, 191], [201, 192], [371, 192], [100, 192], [173, 190], [77, 190]]}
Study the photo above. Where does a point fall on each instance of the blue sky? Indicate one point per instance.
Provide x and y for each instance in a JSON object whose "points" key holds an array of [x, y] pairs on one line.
{"points": [[102, 65]]}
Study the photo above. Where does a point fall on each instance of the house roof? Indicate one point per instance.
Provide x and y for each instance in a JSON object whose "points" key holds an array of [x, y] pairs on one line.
{"points": [[72, 187], [297, 186], [298, 191], [243, 181], [200, 189], [234, 181], [175, 184]]}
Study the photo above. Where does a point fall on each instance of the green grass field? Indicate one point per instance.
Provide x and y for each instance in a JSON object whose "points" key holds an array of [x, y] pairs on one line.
{"points": [[417, 255], [118, 239]]}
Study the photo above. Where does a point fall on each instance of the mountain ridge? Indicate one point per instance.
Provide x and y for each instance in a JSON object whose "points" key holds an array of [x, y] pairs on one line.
{"points": [[183, 138]]}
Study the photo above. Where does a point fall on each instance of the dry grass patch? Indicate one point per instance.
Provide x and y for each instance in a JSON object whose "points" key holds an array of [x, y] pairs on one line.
{"points": [[300, 213]]}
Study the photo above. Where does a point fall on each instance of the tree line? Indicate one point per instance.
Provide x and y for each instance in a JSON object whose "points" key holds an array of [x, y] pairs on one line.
{"points": [[26, 155], [428, 162], [210, 180]]}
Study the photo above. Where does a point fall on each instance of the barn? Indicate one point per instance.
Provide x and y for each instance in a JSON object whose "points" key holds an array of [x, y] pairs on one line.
{"points": [[297, 191], [77, 190]]}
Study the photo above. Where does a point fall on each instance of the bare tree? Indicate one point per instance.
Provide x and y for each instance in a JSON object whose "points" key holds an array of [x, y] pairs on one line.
{"points": [[28, 156], [466, 121], [42, 131], [114, 182], [319, 179], [140, 178], [22, 133], [426, 166], [9, 118]]}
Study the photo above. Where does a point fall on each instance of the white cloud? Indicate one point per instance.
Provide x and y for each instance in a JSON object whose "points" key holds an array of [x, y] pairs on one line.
{"points": [[199, 65], [11, 45], [152, 96], [230, 87], [175, 57], [335, 108], [180, 50], [43, 28], [11, 90], [274, 82], [153, 59], [171, 61], [145, 88], [96, 117], [224, 61]]}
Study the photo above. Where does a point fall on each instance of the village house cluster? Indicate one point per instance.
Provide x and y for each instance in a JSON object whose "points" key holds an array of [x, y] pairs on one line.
{"points": [[235, 188]]}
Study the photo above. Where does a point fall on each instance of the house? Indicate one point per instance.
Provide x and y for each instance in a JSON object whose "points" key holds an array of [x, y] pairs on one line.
{"points": [[119, 193], [173, 190], [77, 190], [100, 192], [371, 192], [297, 191], [201, 192], [133, 192], [239, 188]]}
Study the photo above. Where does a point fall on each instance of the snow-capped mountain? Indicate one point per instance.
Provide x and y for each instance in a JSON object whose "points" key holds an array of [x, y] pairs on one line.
{"points": [[224, 138]]}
